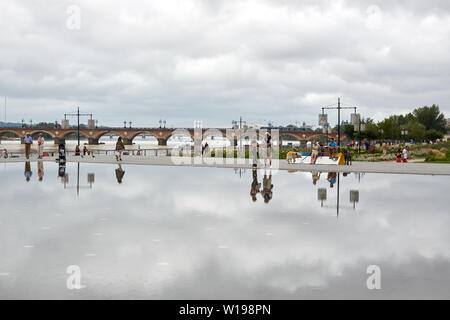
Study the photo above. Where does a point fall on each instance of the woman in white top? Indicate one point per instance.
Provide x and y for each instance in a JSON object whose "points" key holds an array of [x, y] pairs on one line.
{"points": [[40, 146]]}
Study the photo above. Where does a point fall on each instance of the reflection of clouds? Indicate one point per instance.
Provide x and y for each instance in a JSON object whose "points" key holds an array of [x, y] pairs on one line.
{"points": [[194, 233]]}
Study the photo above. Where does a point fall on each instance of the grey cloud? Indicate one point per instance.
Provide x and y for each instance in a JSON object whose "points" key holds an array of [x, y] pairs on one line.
{"points": [[216, 60]]}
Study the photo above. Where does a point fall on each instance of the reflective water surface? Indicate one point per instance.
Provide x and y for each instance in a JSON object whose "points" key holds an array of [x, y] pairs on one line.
{"points": [[150, 232]]}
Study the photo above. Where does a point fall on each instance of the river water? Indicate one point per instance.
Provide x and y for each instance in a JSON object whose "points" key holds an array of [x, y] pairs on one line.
{"points": [[199, 233]]}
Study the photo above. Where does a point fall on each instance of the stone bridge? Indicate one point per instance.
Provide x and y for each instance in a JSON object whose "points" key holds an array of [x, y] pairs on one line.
{"points": [[161, 134]]}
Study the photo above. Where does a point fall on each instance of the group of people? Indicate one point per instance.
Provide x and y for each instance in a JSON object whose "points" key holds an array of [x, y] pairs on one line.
{"points": [[84, 152], [318, 149], [266, 149], [28, 141], [402, 155]]}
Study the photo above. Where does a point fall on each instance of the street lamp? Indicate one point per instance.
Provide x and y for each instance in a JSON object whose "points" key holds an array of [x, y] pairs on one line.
{"points": [[129, 124], [31, 123], [160, 121], [96, 124], [125, 124], [404, 133], [164, 123]]}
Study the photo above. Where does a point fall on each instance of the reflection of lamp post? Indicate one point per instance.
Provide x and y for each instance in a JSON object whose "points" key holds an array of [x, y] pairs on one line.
{"points": [[354, 197], [322, 195]]}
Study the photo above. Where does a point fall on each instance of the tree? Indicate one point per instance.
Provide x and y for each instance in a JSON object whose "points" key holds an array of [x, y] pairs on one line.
{"points": [[431, 118], [349, 131], [433, 135], [416, 130], [390, 127]]}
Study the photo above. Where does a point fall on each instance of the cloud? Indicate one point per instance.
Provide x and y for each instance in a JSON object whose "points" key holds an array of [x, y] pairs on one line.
{"points": [[217, 60]]}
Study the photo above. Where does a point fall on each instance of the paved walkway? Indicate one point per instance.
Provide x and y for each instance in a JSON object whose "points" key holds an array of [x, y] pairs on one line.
{"points": [[369, 167]]}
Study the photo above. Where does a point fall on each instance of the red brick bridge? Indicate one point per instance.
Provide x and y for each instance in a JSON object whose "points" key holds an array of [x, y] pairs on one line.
{"points": [[161, 134]]}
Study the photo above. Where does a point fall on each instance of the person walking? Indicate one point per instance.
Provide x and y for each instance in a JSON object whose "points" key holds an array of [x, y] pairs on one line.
{"points": [[255, 151], [268, 149], [40, 142], [398, 156], [28, 142], [405, 154], [119, 149], [384, 148]]}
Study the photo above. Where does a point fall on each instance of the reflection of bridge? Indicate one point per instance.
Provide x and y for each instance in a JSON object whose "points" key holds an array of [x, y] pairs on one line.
{"points": [[161, 134]]}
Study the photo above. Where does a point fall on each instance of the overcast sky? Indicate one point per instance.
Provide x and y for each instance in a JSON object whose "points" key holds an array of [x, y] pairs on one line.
{"points": [[186, 60]]}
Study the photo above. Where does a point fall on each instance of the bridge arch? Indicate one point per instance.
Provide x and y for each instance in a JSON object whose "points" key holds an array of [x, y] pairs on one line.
{"points": [[214, 133], [176, 133], [6, 134], [34, 133]]}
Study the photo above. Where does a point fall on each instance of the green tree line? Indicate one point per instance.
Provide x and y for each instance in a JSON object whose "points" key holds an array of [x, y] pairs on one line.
{"points": [[425, 123]]}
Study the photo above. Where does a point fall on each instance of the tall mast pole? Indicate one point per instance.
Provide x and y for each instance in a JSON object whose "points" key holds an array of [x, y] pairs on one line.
{"points": [[339, 123]]}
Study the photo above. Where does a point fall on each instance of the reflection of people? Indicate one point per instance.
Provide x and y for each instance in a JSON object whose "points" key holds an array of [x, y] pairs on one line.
{"points": [[119, 173], [40, 143], [119, 149], [255, 185], [5, 153], [331, 178], [267, 187], [28, 173], [315, 176], [28, 142], [77, 150], [40, 165]]}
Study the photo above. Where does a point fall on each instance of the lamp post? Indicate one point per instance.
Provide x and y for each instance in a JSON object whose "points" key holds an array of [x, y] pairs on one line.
{"points": [[124, 124], [129, 124], [160, 121], [78, 114], [404, 134], [164, 123], [96, 124], [338, 108]]}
